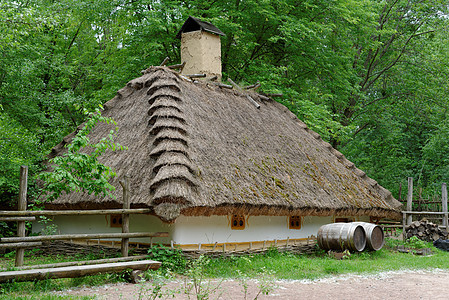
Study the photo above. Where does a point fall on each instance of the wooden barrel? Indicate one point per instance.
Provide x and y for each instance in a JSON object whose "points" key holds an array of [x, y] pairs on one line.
{"points": [[342, 236], [375, 238]]}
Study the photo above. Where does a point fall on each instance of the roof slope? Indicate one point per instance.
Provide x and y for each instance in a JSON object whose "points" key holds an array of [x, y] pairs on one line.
{"points": [[195, 149], [194, 24]]}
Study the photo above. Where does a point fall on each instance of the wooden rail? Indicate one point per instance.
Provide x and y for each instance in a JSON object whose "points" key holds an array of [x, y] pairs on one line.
{"points": [[76, 271], [74, 212], [82, 236], [408, 214], [22, 215]]}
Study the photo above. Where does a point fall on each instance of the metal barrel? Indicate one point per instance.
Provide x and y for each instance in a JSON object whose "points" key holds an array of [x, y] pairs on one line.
{"points": [[375, 238], [342, 236]]}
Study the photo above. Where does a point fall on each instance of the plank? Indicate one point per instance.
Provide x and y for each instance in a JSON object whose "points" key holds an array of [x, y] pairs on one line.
{"points": [[77, 271], [83, 262]]}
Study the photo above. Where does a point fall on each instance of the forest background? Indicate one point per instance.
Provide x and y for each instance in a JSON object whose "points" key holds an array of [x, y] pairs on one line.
{"points": [[370, 76]]}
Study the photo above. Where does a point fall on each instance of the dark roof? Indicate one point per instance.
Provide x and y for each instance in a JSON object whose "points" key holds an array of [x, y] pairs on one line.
{"points": [[194, 24], [197, 149]]}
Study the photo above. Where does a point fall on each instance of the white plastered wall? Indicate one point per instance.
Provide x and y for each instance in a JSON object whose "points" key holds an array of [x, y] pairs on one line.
{"points": [[208, 230], [194, 230], [101, 224], [201, 51]]}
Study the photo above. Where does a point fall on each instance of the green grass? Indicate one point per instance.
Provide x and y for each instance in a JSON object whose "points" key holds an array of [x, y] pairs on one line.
{"points": [[297, 267], [277, 265], [42, 289]]}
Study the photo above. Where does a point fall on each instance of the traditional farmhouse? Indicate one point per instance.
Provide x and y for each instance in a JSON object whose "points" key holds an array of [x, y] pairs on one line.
{"points": [[219, 165]]}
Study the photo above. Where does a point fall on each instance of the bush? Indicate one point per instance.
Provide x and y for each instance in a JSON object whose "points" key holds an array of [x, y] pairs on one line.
{"points": [[171, 259]]}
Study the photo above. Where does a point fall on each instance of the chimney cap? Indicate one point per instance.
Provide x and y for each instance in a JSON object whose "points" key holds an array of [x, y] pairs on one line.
{"points": [[194, 24]]}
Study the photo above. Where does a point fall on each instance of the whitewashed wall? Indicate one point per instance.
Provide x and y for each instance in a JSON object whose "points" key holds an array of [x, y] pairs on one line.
{"points": [[100, 224], [208, 230], [194, 230]]}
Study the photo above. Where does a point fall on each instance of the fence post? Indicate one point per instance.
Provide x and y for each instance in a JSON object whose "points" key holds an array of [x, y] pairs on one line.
{"points": [[409, 199], [444, 204], [22, 205], [125, 217]]}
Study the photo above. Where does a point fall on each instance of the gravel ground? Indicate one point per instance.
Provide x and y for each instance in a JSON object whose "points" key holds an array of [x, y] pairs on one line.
{"points": [[408, 285]]}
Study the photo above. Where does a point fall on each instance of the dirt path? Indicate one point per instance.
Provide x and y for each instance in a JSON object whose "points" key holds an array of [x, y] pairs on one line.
{"points": [[408, 285]]}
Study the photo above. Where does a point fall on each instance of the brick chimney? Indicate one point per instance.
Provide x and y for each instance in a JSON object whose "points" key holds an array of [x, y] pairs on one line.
{"points": [[200, 48]]}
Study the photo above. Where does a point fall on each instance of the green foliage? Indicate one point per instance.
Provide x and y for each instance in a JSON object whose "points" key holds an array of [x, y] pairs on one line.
{"points": [[171, 259], [415, 243], [369, 76], [78, 170]]}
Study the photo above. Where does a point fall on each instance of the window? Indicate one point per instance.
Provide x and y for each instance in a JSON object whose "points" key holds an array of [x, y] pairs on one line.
{"points": [[344, 220], [294, 222], [238, 222], [374, 220], [116, 221]]}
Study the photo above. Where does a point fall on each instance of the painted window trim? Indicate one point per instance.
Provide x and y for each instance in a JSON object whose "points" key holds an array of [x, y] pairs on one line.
{"points": [[238, 222], [294, 222]]}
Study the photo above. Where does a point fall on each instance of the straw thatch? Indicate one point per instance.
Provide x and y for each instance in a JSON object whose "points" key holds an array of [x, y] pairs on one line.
{"points": [[195, 149]]}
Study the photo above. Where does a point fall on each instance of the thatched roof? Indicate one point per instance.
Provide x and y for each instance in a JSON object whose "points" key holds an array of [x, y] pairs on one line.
{"points": [[197, 149]]}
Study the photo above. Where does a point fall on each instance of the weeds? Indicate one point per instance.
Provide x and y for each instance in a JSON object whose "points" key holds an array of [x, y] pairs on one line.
{"points": [[195, 280], [171, 259]]}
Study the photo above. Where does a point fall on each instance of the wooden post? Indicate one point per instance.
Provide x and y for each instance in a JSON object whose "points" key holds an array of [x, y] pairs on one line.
{"points": [[125, 217], [404, 221], [22, 205], [444, 204], [409, 199]]}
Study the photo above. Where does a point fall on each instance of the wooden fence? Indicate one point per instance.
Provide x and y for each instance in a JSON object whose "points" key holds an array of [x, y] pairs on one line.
{"points": [[407, 215], [22, 215]]}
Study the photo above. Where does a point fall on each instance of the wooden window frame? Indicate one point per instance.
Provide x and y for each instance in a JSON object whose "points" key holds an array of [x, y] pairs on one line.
{"points": [[238, 222], [344, 220], [294, 222], [116, 221]]}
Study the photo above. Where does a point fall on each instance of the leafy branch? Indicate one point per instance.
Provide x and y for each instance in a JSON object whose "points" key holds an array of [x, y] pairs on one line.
{"points": [[78, 170]]}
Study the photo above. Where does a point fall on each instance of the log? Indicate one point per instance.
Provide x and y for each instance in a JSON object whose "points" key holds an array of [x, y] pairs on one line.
{"points": [[22, 206], [165, 61], [264, 97], [76, 271], [83, 236], [20, 245], [444, 204], [226, 86], [252, 86], [196, 75], [84, 262], [74, 212], [178, 66], [16, 219], [409, 199], [125, 217], [423, 212], [275, 95], [257, 105]]}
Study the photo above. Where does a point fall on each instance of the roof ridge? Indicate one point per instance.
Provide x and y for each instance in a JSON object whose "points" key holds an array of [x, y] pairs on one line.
{"points": [[173, 181]]}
